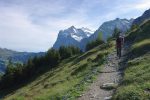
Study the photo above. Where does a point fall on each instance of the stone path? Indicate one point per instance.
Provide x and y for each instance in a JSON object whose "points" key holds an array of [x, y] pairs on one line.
{"points": [[109, 75]]}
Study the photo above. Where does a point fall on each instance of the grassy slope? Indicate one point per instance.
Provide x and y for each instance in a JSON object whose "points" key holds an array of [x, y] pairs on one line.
{"points": [[136, 80], [68, 80]]}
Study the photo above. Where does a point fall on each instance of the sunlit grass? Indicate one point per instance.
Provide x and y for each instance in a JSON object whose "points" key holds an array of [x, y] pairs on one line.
{"points": [[136, 82], [141, 43]]}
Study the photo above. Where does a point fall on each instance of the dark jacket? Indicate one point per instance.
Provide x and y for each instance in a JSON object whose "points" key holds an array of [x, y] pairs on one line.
{"points": [[119, 42]]}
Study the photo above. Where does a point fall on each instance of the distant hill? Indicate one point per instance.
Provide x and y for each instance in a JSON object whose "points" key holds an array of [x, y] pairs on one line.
{"points": [[5, 53], [2, 66], [145, 16], [14, 56]]}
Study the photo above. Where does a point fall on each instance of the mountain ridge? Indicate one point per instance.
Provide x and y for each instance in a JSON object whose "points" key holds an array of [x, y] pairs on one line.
{"points": [[145, 16]]}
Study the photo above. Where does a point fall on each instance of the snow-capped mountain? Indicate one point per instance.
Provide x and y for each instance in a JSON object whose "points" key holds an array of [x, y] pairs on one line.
{"points": [[107, 29], [71, 36]]}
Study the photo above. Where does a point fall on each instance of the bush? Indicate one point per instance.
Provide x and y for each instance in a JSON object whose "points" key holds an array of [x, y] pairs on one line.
{"points": [[129, 93], [68, 51], [93, 44]]}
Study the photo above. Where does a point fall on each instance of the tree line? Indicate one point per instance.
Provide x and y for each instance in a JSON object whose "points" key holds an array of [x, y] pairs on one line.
{"points": [[20, 73]]}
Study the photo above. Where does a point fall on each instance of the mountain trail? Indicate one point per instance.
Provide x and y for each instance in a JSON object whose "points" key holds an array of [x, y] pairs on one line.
{"points": [[108, 79]]}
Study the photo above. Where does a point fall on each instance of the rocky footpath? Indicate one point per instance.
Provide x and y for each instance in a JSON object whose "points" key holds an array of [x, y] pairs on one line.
{"points": [[108, 79]]}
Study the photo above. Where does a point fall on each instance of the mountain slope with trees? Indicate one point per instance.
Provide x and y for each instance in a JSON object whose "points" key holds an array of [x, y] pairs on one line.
{"points": [[64, 79]]}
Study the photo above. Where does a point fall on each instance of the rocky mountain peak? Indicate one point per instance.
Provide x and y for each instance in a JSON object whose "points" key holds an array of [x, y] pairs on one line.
{"points": [[72, 36]]}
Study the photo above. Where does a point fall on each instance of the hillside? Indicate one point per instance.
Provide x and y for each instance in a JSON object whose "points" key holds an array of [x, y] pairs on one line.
{"points": [[136, 79], [68, 80]]}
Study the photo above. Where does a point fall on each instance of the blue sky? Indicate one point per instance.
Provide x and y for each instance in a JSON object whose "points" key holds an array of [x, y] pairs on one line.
{"points": [[33, 25]]}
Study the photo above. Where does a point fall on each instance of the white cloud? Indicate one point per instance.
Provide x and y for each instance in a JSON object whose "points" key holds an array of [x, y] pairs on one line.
{"points": [[19, 33], [145, 4]]}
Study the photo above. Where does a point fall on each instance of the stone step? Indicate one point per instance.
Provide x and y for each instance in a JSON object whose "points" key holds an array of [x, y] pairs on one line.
{"points": [[108, 98], [108, 86]]}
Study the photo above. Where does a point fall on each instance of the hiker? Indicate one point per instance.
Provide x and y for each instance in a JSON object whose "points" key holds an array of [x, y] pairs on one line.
{"points": [[122, 40], [119, 44]]}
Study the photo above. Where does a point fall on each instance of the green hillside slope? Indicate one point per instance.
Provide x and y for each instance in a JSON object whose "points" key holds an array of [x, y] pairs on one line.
{"points": [[136, 79], [68, 80]]}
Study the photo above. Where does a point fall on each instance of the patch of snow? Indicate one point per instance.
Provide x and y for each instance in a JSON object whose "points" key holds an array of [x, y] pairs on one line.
{"points": [[78, 38], [87, 30], [108, 98], [75, 31]]}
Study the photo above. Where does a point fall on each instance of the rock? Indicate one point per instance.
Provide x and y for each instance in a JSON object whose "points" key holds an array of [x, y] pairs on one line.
{"points": [[108, 98], [108, 86], [92, 96]]}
